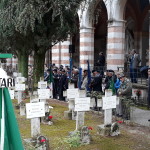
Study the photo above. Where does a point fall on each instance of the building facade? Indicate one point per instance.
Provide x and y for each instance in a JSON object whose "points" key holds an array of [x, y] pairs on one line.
{"points": [[114, 27]]}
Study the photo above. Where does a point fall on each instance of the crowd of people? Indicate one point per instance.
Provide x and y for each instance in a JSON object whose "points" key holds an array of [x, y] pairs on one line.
{"points": [[117, 82]]}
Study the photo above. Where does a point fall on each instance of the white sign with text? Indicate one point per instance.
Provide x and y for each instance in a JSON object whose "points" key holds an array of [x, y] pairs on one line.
{"points": [[72, 93], [42, 85], [19, 87], [44, 93], [82, 104], [35, 110], [109, 102]]}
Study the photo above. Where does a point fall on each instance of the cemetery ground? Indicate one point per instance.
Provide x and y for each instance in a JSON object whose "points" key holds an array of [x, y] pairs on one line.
{"points": [[132, 137]]}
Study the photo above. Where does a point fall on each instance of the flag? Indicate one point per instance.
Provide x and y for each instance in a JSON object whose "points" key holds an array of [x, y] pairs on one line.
{"points": [[10, 138], [80, 78], [112, 87], [70, 72], [89, 76]]}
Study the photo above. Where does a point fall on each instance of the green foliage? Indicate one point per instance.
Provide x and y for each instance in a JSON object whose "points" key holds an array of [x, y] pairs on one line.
{"points": [[74, 140]]}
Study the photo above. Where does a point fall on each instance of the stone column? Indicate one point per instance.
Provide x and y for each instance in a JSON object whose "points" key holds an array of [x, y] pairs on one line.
{"points": [[56, 59], [115, 44], [86, 47], [60, 53], [65, 55]]}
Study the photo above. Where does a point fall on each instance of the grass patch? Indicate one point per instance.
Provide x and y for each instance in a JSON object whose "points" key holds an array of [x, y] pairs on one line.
{"points": [[61, 127]]}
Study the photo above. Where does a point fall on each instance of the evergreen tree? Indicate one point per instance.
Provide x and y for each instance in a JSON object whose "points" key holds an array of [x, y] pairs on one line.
{"points": [[36, 25]]}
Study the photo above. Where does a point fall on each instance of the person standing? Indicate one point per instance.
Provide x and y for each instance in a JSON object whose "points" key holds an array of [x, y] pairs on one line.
{"points": [[101, 63], [84, 80], [110, 81], [55, 83], [75, 75], [62, 84], [134, 63], [96, 86], [124, 93]]}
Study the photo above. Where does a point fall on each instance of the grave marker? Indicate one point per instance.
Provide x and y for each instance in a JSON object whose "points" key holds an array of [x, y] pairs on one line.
{"points": [[108, 102], [20, 87], [35, 110], [81, 105], [43, 94]]}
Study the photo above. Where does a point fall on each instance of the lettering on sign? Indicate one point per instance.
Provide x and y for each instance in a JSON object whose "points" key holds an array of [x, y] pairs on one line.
{"points": [[82, 104], [44, 93], [35, 110], [20, 87], [42, 85], [72, 93], [7, 82], [109, 102], [12, 94]]}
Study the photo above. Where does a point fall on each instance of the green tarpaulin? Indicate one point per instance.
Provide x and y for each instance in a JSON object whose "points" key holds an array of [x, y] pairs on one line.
{"points": [[10, 136]]}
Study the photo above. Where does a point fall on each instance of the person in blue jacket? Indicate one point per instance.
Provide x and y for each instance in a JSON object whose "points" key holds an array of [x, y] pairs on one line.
{"points": [[118, 81]]}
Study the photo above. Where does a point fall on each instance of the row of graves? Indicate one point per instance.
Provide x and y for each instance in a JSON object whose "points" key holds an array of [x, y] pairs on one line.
{"points": [[79, 103], [38, 110]]}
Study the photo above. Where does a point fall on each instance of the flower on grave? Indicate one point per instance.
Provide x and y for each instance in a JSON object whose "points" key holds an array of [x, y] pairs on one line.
{"points": [[43, 140], [138, 92], [50, 117], [120, 122], [90, 128]]}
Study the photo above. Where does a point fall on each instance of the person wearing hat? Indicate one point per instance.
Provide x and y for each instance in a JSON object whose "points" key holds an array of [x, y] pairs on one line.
{"points": [[124, 93], [110, 80]]}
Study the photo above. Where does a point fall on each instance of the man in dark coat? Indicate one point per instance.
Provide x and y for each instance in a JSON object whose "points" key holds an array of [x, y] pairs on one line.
{"points": [[134, 63], [55, 83], [101, 63], [96, 86], [62, 84], [110, 78]]}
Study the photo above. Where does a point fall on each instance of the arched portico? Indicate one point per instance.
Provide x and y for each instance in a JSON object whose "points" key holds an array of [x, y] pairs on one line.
{"points": [[137, 27]]}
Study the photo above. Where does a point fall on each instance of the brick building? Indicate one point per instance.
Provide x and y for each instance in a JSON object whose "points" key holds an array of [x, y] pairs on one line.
{"points": [[112, 26]]}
